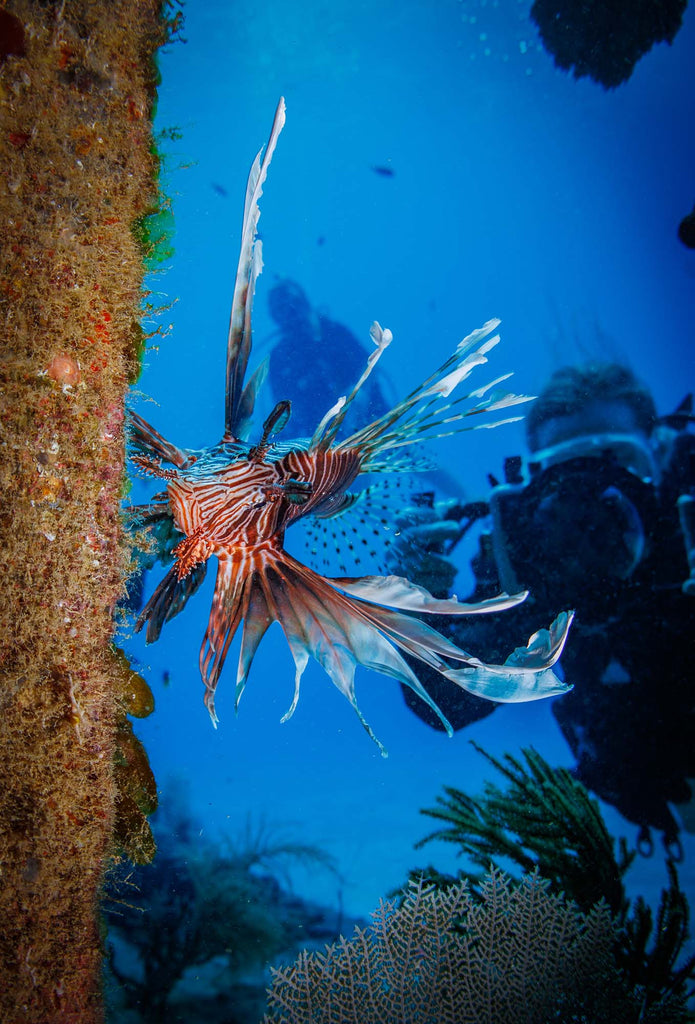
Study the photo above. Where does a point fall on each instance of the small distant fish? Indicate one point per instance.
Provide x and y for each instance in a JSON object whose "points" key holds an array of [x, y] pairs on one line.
{"points": [[220, 189], [383, 170], [235, 500]]}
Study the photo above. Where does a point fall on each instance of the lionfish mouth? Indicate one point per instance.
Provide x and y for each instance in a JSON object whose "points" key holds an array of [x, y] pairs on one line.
{"points": [[370, 621]]}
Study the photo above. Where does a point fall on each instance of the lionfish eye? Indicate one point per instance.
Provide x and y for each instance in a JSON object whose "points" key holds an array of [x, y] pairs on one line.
{"points": [[298, 492]]}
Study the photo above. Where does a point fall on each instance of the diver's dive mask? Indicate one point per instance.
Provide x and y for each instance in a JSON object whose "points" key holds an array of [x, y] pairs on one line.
{"points": [[632, 453]]}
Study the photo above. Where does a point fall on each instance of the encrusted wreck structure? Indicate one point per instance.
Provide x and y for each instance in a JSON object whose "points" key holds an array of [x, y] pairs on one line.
{"points": [[77, 177]]}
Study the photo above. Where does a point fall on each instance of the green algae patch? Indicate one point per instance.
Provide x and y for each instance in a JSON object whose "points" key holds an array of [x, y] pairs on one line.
{"points": [[153, 233]]}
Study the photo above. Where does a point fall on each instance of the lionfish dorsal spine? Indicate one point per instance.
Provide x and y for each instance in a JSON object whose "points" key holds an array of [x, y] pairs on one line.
{"points": [[248, 269]]}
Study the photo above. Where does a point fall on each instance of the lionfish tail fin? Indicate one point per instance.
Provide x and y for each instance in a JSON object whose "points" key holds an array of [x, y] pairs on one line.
{"points": [[249, 267], [345, 623]]}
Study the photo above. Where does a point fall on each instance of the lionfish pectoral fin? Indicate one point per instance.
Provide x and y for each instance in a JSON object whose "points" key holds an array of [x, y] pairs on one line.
{"points": [[545, 646], [321, 622], [508, 686], [149, 445], [259, 613], [301, 660], [209, 701], [527, 674], [334, 622], [227, 611], [168, 600], [317, 622], [399, 593]]}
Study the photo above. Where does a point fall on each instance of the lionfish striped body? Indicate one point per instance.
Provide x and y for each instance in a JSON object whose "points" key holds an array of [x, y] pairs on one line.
{"points": [[235, 501]]}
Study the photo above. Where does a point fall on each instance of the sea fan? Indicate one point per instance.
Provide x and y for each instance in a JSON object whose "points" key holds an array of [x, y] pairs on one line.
{"points": [[517, 954]]}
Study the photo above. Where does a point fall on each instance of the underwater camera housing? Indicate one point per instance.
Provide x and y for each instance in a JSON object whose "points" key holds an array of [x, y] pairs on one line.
{"points": [[577, 529]]}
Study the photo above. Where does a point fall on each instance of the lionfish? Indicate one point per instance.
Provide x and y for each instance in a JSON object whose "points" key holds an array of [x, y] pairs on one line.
{"points": [[235, 500]]}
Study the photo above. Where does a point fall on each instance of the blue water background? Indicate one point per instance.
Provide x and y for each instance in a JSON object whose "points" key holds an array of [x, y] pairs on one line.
{"points": [[517, 192]]}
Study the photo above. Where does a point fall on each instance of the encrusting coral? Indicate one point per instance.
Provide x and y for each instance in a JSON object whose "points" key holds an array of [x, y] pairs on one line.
{"points": [[77, 168]]}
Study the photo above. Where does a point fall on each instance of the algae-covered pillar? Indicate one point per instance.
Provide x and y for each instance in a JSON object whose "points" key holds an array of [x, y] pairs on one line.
{"points": [[77, 170]]}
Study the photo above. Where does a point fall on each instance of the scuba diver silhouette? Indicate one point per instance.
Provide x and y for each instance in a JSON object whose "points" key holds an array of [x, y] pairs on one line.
{"points": [[314, 356], [601, 520]]}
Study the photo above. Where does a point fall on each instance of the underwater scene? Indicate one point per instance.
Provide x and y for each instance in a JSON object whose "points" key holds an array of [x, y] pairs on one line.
{"points": [[415, 428]]}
